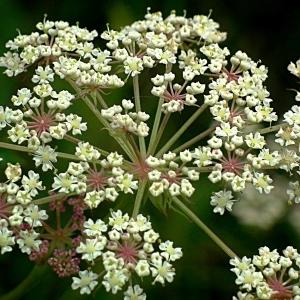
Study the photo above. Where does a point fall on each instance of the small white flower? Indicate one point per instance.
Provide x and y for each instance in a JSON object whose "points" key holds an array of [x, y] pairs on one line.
{"points": [[222, 200], [86, 281]]}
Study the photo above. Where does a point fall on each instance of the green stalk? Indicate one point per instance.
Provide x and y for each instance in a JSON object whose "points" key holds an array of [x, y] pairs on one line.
{"points": [[160, 132], [183, 128], [137, 99], [272, 128], [201, 225], [48, 199], [25, 149], [139, 198], [126, 147], [195, 139], [33, 279], [101, 100], [155, 126], [157, 119], [75, 141]]}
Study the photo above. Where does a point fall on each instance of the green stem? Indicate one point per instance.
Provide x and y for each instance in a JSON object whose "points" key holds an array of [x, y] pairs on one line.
{"points": [[183, 128], [272, 128], [101, 100], [160, 132], [155, 126], [200, 224], [137, 99], [34, 277], [25, 149], [75, 141], [127, 148], [157, 118], [195, 139], [139, 198], [48, 199]]}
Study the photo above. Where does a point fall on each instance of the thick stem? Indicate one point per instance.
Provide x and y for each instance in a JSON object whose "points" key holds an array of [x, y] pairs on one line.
{"points": [[183, 128], [195, 139], [137, 99], [33, 279], [101, 100], [272, 128], [200, 224], [139, 198]]}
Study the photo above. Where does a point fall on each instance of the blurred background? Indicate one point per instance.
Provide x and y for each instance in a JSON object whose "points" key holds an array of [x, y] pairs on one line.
{"points": [[268, 31]]}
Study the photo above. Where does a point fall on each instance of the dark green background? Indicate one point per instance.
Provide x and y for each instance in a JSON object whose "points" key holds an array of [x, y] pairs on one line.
{"points": [[266, 30]]}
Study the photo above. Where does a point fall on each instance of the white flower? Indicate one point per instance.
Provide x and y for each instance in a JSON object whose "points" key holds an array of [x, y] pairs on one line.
{"points": [[262, 182], [45, 156], [92, 248], [126, 183], [6, 240], [255, 141], [156, 188], [27, 241], [133, 65], [31, 183], [294, 191], [162, 271], [295, 68], [43, 75], [169, 252], [134, 293], [94, 198], [118, 220], [13, 172], [115, 280], [142, 268], [86, 281], [94, 229], [222, 200], [33, 215]]}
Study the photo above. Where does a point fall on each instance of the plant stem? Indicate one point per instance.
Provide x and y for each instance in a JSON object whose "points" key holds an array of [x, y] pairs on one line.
{"points": [[48, 199], [101, 100], [25, 149], [200, 224], [183, 128], [195, 139], [272, 128], [137, 99], [127, 148], [160, 132], [157, 118], [27, 284], [75, 141], [139, 198]]}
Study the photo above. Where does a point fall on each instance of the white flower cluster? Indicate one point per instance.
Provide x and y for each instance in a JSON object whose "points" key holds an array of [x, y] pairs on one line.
{"points": [[42, 118], [191, 72], [127, 248], [97, 183], [155, 40], [268, 275], [171, 174], [20, 217], [132, 122]]}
